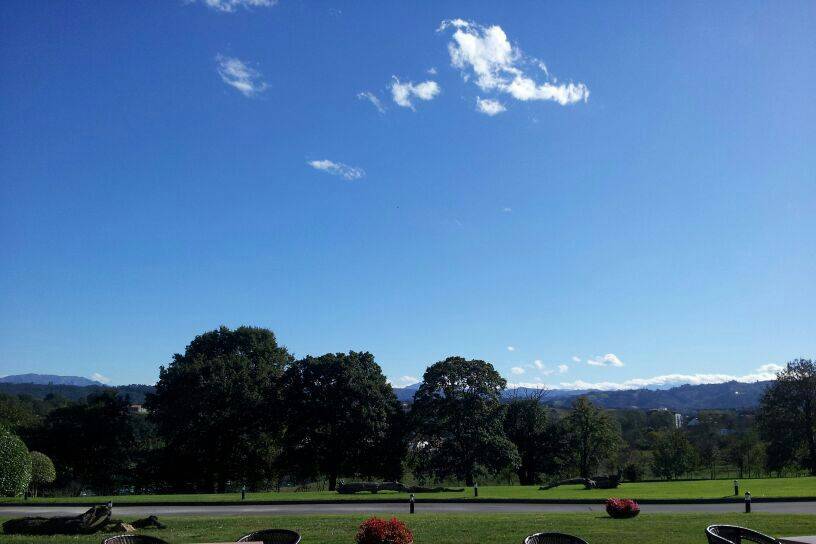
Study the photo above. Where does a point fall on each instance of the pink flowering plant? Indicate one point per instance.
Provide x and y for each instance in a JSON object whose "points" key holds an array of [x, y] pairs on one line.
{"points": [[622, 508]]}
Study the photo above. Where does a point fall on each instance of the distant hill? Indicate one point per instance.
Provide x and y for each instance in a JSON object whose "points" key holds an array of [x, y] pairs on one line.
{"points": [[684, 398], [135, 393], [45, 379]]}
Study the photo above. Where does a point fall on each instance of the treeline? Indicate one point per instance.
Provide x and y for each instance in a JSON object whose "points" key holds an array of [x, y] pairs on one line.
{"points": [[236, 409]]}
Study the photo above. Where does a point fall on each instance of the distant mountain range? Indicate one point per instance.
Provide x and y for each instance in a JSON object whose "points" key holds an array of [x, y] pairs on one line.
{"points": [[45, 379], [684, 398]]}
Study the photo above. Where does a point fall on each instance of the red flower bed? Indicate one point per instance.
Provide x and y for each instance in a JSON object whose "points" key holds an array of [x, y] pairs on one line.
{"points": [[622, 508], [379, 531]]}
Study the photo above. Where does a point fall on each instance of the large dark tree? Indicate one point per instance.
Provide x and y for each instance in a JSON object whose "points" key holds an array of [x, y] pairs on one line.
{"points": [[458, 418], [216, 408], [343, 418], [787, 417], [537, 438], [593, 436]]}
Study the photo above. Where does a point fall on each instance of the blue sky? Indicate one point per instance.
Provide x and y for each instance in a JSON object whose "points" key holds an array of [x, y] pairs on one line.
{"points": [[579, 192]]}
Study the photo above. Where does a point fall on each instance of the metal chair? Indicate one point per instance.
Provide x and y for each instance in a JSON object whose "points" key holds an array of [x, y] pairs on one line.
{"points": [[272, 536], [731, 534], [133, 539], [553, 538]]}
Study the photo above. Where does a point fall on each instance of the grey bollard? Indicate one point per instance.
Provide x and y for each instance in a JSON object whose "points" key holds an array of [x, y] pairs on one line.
{"points": [[747, 502], [411, 501]]}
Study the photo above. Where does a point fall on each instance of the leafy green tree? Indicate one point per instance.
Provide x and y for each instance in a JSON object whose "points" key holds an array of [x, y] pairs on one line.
{"points": [[458, 421], [673, 454], [341, 414], [593, 436], [217, 409], [539, 442], [42, 471], [15, 464], [92, 444], [787, 417]]}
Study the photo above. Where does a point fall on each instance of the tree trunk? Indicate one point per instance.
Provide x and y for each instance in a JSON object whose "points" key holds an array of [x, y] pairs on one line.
{"points": [[333, 481]]}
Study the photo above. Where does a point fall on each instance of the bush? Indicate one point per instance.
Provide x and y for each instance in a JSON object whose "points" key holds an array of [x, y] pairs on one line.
{"points": [[379, 531], [15, 464], [622, 508], [42, 471]]}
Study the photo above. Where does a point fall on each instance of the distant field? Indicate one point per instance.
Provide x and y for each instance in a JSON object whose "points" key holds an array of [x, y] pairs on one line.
{"points": [[482, 528], [698, 489]]}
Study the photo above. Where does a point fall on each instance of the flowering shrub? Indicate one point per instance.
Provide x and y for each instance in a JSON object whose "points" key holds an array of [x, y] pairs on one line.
{"points": [[379, 531], [622, 508]]}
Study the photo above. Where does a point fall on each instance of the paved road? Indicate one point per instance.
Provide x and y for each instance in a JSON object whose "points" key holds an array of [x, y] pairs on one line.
{"points": [[396, 508]]}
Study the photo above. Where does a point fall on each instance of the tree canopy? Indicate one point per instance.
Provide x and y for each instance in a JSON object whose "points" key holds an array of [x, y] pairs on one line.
{"points": [[593, 436], [458, 421], [15, 464], [217, 408]]}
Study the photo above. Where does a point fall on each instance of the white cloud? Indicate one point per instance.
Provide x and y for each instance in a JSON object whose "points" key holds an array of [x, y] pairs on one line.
{"points": [[338, 169], [610, 359], [489, 106], [432, 70], [511, 348], [236, 73], [486, 54], [229, 6], [403, 381], [763, 373], [576, 359], [517, 370], [538, 364], [96, 376], [563, 369], [403, 93], [371, 97], [507, 210]]}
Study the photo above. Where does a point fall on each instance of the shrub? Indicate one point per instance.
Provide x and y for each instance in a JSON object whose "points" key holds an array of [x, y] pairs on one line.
{"points": [[15, 464], [622, 508], [42, 471], [379, 531]]}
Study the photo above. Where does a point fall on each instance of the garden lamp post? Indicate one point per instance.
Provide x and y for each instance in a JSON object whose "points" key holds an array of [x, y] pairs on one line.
{"points": [[747, 502]]}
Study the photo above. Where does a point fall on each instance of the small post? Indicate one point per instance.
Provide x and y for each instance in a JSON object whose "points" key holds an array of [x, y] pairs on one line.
{"points": [[243, 492], [475, 489], [736, 488], [411, 501], [747, 502]]}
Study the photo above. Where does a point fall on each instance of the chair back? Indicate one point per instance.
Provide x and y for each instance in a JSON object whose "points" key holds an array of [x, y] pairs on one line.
{"points": [[272, 536], [732, 534], [553, 538], [133, 539]]}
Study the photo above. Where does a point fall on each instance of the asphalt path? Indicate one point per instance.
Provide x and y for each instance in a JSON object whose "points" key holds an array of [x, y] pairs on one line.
{"points": [[396, 508]]}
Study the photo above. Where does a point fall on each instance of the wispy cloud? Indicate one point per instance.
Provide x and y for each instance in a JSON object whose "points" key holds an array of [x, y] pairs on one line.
{"points": [[563, 369], [371, 97], [517, 370], [511, 348], [507, 210], [404, 93], [488, 106], [610, 359], [96, 376], [576, 359], [486, 55], [763, 373], [229, 6], [338, 169], [237, 74]]}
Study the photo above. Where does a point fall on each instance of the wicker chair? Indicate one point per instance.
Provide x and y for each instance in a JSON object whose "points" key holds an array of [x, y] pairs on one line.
{"points": [[731, 534], [272, 536], [553, 538], [133, 539]]}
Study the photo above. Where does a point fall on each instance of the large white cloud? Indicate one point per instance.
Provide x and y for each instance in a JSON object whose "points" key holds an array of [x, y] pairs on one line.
{"points": [[338, 169], [486, 55], [404, 93], [237, 74], [763, 373]]}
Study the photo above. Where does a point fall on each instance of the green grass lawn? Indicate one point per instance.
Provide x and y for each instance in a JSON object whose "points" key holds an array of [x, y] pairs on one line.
{"points": [[698, 489], [482, 528]]}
